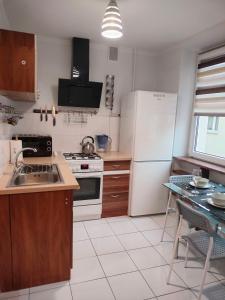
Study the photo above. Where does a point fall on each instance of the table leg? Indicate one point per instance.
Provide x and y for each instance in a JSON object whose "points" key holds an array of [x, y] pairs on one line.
{"points": [[177, 224]]}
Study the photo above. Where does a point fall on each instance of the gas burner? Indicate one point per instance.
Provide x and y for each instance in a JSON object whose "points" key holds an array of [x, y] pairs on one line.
{"points": [[81, 156]]}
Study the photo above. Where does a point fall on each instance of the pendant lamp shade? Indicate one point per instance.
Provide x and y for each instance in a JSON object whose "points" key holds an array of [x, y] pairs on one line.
{"points": [[112, 24]]}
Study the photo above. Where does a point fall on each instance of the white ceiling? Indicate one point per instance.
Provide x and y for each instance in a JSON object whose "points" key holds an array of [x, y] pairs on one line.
{"points": [[148, 24]]}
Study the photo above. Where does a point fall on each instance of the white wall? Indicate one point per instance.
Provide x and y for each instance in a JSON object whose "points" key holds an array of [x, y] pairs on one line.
{"points": [[4, 22], [176, 74], [5, 134], [145, 65], [54, 61]]}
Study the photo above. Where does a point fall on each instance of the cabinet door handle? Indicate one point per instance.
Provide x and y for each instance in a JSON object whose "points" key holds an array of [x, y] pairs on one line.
{"points": [[115, 196], [66, 201], [116, 177], [115, 166]]}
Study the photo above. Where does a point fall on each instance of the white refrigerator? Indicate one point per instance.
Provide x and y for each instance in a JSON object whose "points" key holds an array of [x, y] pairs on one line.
{"points": [[147, 133]]}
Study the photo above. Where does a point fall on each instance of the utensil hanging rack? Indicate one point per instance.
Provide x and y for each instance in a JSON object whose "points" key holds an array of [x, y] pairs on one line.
{"points": [[49, 111], [10, 115], [71, 116]]}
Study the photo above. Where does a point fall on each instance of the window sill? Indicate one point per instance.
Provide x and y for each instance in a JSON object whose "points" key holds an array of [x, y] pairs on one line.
{"points": [[200, 163]]}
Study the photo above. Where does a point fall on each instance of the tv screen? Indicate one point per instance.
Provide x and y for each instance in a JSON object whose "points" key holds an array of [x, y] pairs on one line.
{"points": [[79, 94]]}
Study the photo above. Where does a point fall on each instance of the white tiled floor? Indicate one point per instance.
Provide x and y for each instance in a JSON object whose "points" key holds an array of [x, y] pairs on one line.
{"points": [[122, 258]]}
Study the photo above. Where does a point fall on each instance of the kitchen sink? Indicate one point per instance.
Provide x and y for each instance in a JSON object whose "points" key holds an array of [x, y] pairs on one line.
{"points": [[35, 175]]}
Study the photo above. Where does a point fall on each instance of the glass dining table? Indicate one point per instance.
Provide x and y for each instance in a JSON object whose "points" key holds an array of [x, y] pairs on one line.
{"points": [[201, 200]]}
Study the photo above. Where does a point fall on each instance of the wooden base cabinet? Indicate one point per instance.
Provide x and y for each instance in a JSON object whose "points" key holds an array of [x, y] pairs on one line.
{"points": [[115, 189], [5, 245], [41, 238]]}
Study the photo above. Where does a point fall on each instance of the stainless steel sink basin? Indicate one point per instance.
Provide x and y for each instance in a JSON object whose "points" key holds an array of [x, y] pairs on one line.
{"points": [[35, 175]]}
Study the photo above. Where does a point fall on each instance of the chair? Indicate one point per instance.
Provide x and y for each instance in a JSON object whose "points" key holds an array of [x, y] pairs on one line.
{"points": [[205, 241], [174, 179]]}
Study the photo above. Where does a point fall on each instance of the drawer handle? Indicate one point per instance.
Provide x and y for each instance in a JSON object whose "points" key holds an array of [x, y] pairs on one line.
{"points": [[115, 196], [115, 166], [116, 177]]}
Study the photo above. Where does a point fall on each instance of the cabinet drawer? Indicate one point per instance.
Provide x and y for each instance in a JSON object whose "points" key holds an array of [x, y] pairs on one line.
{"points": [[115, 197], [116, 165], [118, 183], [115, 204]]}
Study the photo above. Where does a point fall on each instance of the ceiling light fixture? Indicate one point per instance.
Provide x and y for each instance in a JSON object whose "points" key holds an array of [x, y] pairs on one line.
{"points": [[112, 24]]}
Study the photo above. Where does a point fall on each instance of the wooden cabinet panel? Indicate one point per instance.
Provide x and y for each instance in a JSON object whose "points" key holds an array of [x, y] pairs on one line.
{"points": [[17, 64], [116, 165], [5, 246], [115, 189], [41, 226], [117, 182], [115, 204]]}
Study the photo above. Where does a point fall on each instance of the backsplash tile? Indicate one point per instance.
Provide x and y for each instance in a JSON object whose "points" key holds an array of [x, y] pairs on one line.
{"points": [[67, 136]]}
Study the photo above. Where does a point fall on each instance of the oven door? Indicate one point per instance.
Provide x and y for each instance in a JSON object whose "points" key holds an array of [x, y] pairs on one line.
{"points": [[90, 192]]}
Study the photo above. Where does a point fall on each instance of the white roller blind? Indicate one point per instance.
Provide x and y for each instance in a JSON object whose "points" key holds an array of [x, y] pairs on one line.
{"points": [[210, 83]]}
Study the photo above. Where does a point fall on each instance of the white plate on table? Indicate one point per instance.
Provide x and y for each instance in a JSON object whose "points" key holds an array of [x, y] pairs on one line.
{"points": [[207, 186], [211, 202]]}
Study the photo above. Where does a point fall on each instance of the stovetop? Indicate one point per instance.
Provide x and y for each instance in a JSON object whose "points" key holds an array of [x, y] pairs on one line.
{"points": [[81, 156]]}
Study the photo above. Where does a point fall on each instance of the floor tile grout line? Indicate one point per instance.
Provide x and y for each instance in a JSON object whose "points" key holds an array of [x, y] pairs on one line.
{"points": [[156, 267], [142, 275], [137, 230], [116, 235], [217, 280], [101, 265], [126, 250], [104, 272]]}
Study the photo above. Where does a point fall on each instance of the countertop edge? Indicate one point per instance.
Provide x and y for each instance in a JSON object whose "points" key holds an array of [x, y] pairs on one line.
{"points": [[115, 156]]}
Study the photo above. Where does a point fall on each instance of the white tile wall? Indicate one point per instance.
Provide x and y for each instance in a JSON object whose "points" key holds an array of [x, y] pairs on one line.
{"points": [[5, 134]]}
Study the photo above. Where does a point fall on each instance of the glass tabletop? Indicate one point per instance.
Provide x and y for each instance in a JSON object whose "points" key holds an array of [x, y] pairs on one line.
{"points": [[217, 215]]}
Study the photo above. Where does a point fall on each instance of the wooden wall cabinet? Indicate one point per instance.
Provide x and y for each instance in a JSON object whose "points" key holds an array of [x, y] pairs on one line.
{"points": [[115, 189], [39, 244], [17, 65]]}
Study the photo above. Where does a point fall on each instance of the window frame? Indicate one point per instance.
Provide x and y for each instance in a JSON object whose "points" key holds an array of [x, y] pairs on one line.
{"points": [[194, 118], [200, 155]]}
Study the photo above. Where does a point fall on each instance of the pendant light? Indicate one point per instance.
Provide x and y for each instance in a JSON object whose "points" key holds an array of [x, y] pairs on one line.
{"points": [[112, 24]]}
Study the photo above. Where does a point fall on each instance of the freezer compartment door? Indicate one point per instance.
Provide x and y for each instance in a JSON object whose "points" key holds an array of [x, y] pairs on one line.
{"points": [[147, 195]]}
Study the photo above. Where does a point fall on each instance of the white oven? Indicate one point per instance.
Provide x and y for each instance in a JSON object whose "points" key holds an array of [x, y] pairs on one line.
{"points": [[88, 171], [87, 201]]}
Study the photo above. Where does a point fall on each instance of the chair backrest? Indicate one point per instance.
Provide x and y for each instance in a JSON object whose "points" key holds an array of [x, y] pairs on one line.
{"points": [[180, 179], [194, 217]]}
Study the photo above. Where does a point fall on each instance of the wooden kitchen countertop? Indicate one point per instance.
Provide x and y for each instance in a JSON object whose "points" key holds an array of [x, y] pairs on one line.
{"points": [[114, 156], [69, 182]]}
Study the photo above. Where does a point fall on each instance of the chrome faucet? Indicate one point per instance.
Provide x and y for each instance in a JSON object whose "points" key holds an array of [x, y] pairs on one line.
{"points": [[18, 154]]}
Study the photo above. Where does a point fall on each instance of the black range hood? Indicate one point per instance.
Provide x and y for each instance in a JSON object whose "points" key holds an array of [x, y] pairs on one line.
{"points": [[78, 91]]}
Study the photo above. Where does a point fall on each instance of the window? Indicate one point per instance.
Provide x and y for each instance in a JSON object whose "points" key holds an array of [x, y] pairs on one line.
{"points": [[208, 136], [206, 142], [213, 124]]}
